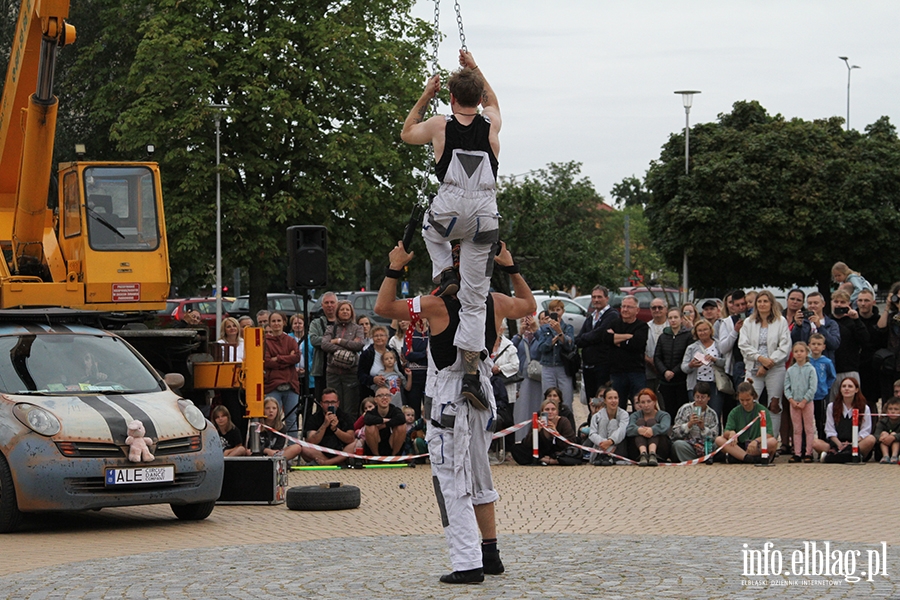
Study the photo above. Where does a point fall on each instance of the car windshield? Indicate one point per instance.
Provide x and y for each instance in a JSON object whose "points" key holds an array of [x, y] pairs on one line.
{"points": [[65, 364]]}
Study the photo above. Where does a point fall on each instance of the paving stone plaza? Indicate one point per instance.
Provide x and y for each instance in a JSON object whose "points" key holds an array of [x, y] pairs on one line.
{"points": [[565, 532]]}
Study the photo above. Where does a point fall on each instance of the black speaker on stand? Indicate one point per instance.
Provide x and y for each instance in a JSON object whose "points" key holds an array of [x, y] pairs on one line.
{"points": [[307, 250], [307, 256]]}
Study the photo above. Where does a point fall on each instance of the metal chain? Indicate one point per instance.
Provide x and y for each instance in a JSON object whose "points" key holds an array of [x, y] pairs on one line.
{"points": [[436, 40], [435, 67], [462, 35]]}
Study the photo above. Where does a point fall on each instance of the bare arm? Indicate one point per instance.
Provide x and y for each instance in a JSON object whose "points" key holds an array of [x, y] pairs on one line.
{"points": [[488, 98], [417, 130], [387, 306], [523, 303]]}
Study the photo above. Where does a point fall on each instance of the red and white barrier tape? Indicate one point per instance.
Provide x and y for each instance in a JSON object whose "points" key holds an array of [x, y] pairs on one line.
{"points": [[695, 461], [511, 429], [387, 459]]}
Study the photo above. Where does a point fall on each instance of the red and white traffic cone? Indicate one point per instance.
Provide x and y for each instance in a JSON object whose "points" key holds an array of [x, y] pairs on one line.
{"points": [[854, 440], [764, 442]]}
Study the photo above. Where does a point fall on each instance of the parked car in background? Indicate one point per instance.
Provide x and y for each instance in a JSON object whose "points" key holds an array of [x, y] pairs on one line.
{"points": [[644, 295], [176, 307], [69, 395], [584, 301], [289, 304], [363, 305]]}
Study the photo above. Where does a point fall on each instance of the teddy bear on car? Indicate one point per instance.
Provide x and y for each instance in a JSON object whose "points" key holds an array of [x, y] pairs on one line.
{"points": [[139, 449]]}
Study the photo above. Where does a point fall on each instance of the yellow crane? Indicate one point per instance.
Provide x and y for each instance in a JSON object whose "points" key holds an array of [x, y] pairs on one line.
{"points": [[101, 245]]}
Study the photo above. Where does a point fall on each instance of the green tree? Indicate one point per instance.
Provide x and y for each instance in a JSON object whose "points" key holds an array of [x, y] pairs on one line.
{"points": [[554, 224], [644, 256], [771, 201], [316, 94], [630, 192]]}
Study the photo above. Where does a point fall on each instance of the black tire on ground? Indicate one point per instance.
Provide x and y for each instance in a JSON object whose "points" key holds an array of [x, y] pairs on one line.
{"points": [[313, 497], [9, 508], [193, 512]]}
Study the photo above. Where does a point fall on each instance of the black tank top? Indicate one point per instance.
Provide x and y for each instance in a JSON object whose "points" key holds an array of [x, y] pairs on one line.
{"points": [[442, 349], [474, 136]]}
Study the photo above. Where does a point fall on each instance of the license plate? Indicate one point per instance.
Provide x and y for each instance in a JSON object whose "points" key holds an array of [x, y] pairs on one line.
{"points": [[140, 475]]}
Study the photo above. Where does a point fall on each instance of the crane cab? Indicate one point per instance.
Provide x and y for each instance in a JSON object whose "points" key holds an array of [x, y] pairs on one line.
{"points": [[111, 234]]}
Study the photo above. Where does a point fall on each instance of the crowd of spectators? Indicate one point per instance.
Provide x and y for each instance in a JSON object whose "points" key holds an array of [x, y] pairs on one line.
{"points": [[672, 389]]}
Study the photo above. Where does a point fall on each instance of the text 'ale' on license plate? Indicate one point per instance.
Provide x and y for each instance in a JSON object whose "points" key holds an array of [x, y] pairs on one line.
{"points": [[140, 475]]}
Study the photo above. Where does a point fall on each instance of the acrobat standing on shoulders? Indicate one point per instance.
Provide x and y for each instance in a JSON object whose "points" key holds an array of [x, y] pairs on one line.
{"points": [[466, 145]]}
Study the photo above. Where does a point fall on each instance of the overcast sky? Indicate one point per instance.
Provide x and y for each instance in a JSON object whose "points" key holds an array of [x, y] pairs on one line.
{"points": [[593, 81]]}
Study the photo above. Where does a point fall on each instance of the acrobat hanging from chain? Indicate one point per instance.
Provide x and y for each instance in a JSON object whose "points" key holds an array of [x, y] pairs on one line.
{"points": [[466, 146]]}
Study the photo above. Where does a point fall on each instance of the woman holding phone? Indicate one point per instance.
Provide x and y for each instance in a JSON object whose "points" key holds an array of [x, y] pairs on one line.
{"points": [[554, 338], [549, 446]]}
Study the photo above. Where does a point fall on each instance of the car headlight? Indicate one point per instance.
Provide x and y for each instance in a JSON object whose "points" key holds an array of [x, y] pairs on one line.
{"points": [[192, 414], [37, 419]]}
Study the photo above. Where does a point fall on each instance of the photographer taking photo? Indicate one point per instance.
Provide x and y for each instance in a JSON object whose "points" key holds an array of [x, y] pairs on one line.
{"points": [[813, 320], [885, 361], [854, 336]]}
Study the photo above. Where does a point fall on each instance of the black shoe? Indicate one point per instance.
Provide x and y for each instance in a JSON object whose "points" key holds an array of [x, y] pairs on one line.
{"points": [[492, 563], [604, 460], [449, 283], [470, 576], [795, 459], [471, 389], [752, 459]]}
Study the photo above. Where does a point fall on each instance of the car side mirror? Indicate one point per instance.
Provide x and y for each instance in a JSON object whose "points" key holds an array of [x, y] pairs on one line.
{"points": [[175, 381]]}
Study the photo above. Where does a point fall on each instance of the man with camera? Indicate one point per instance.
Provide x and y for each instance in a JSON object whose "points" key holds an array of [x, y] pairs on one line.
{"points": [[329, 427], [854, 336], [812, 320], [868, 374], [889, 338]]}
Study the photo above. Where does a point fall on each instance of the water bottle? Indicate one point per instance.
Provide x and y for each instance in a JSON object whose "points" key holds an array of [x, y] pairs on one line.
{"points": [[357, 463], [707, 445]]}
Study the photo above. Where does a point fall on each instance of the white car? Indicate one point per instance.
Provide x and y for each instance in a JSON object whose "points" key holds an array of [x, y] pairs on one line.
{"points": [[67, 396]]}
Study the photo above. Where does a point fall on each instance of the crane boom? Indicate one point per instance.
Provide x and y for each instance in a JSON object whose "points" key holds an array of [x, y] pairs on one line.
{"points": [[102, 246]]}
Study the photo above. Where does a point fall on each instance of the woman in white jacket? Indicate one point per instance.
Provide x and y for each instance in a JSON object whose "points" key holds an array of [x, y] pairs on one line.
{"points": [[765, 344]]}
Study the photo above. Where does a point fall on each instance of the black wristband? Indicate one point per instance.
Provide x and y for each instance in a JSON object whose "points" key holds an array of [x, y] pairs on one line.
{"points": [[511, 269], [393, 273]]}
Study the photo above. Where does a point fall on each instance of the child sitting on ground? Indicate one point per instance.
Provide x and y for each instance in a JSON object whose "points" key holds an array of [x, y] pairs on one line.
{"points": [[584, 430], [359, 427], [887, 431], [394, 379], [415, 432], [270, 442]]}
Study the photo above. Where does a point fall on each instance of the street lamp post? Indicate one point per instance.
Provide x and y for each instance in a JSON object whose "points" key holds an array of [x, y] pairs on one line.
{"points": [[687, 98], [849, 68], [219, 108]]}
